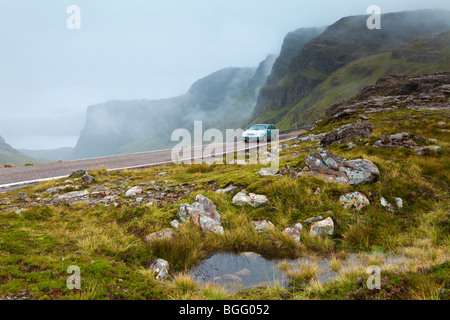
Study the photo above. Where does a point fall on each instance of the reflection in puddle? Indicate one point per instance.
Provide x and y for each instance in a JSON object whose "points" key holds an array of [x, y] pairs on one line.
{"points": [[240, 271], [247, 270]]}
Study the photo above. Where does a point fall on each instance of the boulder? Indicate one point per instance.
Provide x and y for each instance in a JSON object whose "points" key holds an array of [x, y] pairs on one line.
{"points": [[311, 137], [203, 213], [88, 178], [133, 191], [421, 150], [332, 168], [323, 227], [347, 133], [166, 233], [313, 219], [73, 195], [255, 200], [267, 173], [77, 173], [355, 201], [262, 225], [294, 231], [161, 268], [227, 190]]}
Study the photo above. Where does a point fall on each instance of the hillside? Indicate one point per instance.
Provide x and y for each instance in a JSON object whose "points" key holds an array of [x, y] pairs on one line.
{"points": [[368, 186], [223, 99], [10, 156], [293, 100]]}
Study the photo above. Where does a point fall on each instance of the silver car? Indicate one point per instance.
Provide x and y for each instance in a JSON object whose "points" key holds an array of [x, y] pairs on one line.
{"points": [[259, 132]]}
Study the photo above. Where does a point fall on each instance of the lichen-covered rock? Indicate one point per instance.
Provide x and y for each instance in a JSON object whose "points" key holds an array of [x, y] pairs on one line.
{"points": [[161, 268], [73, 194], [133, 191], [313, 219], [203, 213], [399, 202], [267, 173], [346, 133], [88, 178], [255, 200], [227, 190], [262, 225], [294, 231], [164, 234], [332, 168], [323, 227], [355, 200], [386, 204], [175, 223]]}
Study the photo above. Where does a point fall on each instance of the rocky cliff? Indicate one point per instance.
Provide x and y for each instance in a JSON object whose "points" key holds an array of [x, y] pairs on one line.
{"points": [[223, 99], [344, 42]]}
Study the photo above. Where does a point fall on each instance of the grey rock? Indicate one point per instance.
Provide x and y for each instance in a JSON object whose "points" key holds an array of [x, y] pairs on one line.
{"points": [[323, 227], [133, 191], [161, 268], [355, 200], [255, 200], [262, 225], [294, 231]]}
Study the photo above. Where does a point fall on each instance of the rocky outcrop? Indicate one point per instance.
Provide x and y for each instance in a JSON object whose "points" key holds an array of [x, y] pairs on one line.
{"points": [[341, 43], [203, 213], [405, 140], [393, 92], [347, 133], [332, 168]]}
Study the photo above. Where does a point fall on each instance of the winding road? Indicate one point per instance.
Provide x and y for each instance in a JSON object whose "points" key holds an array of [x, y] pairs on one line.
{"points": [[11, 178]]}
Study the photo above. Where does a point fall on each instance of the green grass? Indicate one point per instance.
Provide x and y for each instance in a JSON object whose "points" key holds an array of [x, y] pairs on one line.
{"points": [[107, 242]]}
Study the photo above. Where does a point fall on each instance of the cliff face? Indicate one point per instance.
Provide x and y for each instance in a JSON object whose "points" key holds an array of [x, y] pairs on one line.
{"points": [[223, 99], [345, 41], [273, 90]]}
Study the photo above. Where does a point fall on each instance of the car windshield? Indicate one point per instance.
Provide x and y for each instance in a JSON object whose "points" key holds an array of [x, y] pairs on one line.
{"points": [[258, 127]]}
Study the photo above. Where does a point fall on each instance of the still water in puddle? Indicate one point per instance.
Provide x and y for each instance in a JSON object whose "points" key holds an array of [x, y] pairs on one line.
{"points": [[236, 272], [240, 271]]}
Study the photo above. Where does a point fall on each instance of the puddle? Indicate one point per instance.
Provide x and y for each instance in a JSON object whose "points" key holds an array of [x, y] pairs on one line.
{"points": [[236, 272]]}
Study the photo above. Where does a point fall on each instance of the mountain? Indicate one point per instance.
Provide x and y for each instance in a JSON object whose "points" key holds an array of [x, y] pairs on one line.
{"points": [[293, 43], [291, 101], [223, 99], [8, 155]]}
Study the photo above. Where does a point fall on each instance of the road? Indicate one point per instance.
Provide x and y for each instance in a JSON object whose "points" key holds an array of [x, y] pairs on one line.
{"points": [[11, 178]]}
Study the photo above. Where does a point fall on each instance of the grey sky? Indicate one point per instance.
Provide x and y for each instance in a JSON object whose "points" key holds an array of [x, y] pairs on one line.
{"points": [[136, 49]]}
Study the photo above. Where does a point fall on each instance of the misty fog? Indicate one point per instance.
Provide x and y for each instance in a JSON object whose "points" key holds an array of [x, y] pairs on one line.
{"points": [[141, 51]]}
